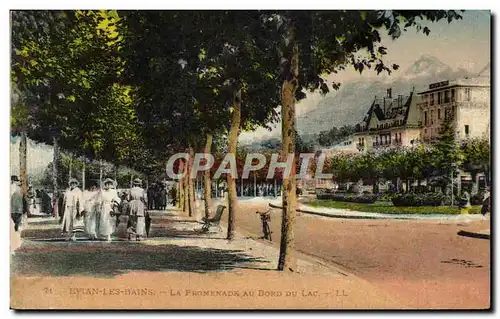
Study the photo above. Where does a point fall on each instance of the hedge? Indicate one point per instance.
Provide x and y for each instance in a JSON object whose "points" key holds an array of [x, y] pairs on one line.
{"points": [[412, 199], [366, 199]]}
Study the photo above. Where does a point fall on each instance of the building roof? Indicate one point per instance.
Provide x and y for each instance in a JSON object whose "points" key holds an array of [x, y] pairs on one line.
{"points": [[477, 81], [389, 109]]}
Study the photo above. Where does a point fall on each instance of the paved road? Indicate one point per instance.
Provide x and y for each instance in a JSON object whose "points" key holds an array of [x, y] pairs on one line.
{"points": [[426, 264]]}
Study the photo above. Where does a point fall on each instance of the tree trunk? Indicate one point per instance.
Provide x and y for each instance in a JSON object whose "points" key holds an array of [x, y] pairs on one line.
{"points": [[241, 188], [182, 194], [192, 207], [254, 185], [185, 206], [55, 168], [231, 182], [70, 166], [375, 189], [23, 163], [288, 147], [207, 190], [83, 175]]}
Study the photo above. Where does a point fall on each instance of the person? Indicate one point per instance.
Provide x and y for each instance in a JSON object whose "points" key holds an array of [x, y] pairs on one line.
{"points": [[30, 200], [465, 202], [17, 202], [173, 195], [162, 197], [107, 199], [73, 208], [123, 208], [150, 195], [90, 207], [45, 202], [137, 204], [156, 196], [486, 207]]}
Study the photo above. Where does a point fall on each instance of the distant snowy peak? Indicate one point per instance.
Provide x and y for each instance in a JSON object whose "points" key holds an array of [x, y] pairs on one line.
{"points": [[486, 71], [425, 66]]}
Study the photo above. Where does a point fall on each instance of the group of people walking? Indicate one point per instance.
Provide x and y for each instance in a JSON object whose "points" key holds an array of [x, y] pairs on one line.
{"points": [[97, 213], [157, 196]]}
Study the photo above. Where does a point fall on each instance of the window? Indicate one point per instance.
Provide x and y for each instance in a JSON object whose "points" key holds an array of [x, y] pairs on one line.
{"points": [[453, 95], [466, 130], [425, 118], [376, 140], [446, 96], [432, 98], [440, 100], [439, 114], [432, 117], [467, 94]]}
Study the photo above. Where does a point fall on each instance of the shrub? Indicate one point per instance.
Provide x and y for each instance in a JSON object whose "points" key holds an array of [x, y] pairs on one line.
{"points": [[386, 197], [412, 199], [477, 199], [366, 199]]}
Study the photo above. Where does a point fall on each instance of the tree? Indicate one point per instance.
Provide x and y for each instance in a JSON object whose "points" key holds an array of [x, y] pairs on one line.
{"points": [[476, 156], [446, 156], [334, 135]]}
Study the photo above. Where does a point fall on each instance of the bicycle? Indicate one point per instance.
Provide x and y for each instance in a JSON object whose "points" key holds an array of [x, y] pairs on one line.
{"points": [[265, 217]]}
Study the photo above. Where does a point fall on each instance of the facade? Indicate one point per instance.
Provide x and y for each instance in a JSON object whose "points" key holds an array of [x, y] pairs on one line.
{"points": [[390, 122], [467, 100]]}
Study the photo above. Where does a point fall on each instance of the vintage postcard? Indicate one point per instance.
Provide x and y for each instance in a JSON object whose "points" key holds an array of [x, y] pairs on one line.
{"points": [[246, 159]]}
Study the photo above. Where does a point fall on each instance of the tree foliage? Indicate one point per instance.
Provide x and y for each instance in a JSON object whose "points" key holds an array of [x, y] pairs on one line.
{"points": [[67, 66]]}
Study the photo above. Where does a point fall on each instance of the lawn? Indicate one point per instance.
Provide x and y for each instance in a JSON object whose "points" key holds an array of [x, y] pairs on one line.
{"points": [[388, 208]]}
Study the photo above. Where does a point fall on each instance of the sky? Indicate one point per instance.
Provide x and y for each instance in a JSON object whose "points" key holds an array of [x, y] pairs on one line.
{"points": [[460, 44]]}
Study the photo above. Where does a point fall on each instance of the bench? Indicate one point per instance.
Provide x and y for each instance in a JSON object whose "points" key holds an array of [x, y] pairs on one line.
{"points": [[214, 221]]}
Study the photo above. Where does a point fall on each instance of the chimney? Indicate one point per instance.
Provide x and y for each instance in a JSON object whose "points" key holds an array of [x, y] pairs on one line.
{"points": [[389, 93]]}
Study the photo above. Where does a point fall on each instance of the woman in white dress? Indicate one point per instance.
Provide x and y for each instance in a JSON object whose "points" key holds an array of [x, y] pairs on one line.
{"points": [[72, 209], [108, 199], [90, 198]]}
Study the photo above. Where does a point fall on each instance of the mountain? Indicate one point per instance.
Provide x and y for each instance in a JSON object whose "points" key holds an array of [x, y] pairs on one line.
{"points": [[352, 101]]}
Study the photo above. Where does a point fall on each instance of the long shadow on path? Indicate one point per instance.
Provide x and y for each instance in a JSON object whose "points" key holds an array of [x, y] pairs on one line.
{"points": [[54, 258]]}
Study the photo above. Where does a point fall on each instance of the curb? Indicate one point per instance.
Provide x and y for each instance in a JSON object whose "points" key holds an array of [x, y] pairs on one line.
{"points": [[342, 216], [480, 235]]}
